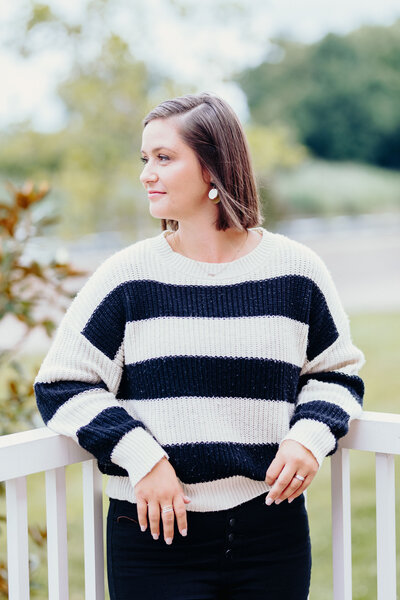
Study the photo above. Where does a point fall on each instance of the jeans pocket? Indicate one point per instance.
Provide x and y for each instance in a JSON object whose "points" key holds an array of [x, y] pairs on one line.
{"points": [[120, 518]]}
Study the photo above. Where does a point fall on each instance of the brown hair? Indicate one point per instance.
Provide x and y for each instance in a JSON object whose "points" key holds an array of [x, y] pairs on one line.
{"points": [[213, 131]]}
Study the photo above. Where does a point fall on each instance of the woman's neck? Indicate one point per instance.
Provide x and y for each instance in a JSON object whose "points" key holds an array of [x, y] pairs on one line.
{"points": [[214, 247]]}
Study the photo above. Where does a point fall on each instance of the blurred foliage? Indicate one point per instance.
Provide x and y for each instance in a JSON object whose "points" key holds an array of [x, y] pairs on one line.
{"points": [[25, 283], [340, 95], [337, 97], [273, 149], [38, 536], [94, 162]]}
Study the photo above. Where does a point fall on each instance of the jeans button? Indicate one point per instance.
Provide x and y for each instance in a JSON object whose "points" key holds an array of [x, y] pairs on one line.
{"points": [[232, 522], [231, 537], [228, 553]]}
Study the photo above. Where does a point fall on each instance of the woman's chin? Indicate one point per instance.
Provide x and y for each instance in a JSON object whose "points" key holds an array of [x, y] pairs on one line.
{"points": [[160, 214]]}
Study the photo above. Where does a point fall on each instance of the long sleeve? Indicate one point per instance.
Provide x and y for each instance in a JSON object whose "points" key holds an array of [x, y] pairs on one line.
{"points": [[330, 392], [77, 384]]}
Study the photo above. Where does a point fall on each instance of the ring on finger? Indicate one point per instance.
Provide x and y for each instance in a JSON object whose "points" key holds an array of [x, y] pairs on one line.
{"points": [[166, 509], [299, 477]]}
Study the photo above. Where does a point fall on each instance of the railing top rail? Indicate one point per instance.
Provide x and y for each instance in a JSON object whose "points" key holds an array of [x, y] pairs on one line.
{"points": [[37, 450], [374, 432], [41, 449]]}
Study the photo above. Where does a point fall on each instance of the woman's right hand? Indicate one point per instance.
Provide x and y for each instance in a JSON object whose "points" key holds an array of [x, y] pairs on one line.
{"points": [[160, 487]]}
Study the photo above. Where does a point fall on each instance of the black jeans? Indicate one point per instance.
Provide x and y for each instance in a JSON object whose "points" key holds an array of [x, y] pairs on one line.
{"points": [[249, 552]]}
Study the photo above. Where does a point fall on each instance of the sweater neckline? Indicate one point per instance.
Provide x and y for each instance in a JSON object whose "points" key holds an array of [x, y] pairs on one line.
{"points": [[210, 271]]}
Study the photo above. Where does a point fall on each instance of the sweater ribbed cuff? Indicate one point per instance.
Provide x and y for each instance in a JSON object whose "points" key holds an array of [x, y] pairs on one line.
{"points": [[137, 452], [314, 435]]}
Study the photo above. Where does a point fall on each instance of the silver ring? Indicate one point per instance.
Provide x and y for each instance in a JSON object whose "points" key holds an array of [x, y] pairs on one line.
{"points": [[300, 477], [166, 509]]}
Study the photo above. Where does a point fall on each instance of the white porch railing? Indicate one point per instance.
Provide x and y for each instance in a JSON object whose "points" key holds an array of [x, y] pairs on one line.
{"points": [[35, 451], [39, 450], [378, 433]]}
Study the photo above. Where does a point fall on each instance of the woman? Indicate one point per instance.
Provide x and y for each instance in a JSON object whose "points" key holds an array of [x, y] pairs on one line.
{"points": [[209, 369]]}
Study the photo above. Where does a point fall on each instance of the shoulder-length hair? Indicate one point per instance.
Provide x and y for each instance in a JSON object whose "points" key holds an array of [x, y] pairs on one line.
{"points": [[213, 131]]}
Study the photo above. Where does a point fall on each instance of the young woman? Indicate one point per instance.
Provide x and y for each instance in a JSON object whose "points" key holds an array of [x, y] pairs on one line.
{"points": [[209, 369]]}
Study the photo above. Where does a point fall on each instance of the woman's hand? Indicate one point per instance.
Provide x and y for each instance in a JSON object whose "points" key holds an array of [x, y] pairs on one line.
{"points": [[160, 487], [291, 459]]}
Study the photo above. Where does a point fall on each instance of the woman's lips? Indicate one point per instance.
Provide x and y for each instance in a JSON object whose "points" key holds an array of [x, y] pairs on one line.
{"points": [[153, 194]]}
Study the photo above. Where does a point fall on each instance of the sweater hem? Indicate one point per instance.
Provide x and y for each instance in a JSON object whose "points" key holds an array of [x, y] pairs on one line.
{"points": [[209, 496]]}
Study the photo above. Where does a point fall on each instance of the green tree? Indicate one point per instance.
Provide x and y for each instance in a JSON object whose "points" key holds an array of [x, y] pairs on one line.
{"points": [[340, 94]]}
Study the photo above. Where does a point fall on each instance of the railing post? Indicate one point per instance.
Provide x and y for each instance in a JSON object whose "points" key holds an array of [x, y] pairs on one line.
{"points": [[17, 539], [57, 555], [385, 527], [341, 525], [93, 530]]}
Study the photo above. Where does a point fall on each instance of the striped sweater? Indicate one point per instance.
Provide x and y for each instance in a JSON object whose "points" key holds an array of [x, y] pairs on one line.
{"points": [[161, 355]]}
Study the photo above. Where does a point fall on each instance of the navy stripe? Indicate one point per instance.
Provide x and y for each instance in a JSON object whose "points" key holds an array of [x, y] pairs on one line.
{"points": [[101, 435], [147, 299], [330, 414], [112, 469], [206, 376], [196, 463], [50, 396], [200, 462], [352, 383], [322, 331], [106, 326]]}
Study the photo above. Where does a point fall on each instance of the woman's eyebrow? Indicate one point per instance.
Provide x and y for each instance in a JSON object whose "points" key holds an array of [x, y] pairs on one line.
{"points": [[159, 148]]}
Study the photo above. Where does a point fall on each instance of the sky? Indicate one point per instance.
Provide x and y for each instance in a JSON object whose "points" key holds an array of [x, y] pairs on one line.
{"points": [[202, 51]]}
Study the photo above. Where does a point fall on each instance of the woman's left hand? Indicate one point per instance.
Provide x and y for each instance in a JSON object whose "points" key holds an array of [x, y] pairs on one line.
{"points": [[291, 459]]}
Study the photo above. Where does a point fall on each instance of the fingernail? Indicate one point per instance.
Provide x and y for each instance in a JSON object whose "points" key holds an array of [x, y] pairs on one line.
{"points": [[168, 541], [278, 501], [290, 500], [184, 532], [187, 498], [269, 501], [143, 527], [155, 536]]}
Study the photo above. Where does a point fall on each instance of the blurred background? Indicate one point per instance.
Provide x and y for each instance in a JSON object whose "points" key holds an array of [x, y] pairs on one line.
{"points": [[317, 88]]}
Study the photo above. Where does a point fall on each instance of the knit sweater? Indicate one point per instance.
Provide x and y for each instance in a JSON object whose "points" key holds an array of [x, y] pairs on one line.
{"points": [[211, 365]]}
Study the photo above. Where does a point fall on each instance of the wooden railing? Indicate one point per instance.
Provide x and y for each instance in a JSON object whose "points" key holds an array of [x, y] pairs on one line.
{"points": [[41, 450]]}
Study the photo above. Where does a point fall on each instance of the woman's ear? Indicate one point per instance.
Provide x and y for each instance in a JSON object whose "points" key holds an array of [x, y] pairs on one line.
{"points": [[207, 177]]}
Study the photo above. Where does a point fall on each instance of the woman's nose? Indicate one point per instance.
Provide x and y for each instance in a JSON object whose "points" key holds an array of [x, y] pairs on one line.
{"points": [[148, 174]]}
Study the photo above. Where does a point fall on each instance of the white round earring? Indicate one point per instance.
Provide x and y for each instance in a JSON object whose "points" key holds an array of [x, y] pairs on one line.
{"points": [[213, 195]]}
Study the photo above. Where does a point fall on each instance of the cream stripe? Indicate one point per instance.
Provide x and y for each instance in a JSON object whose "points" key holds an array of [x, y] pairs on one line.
{"points": [[330, 392], [195, 420], [275, 337], [341, 356], [74, 358], [79, 410]]}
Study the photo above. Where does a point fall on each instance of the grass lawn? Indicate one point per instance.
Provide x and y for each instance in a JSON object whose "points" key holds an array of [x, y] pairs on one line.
{"points": [[377, 335], [327, 188]]}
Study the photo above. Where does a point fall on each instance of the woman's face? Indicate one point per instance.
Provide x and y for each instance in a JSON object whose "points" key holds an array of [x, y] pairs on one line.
{"points": [[172, 168]]}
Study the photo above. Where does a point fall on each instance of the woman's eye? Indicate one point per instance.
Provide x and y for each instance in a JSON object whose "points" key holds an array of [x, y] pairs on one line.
{"points": [[162, 157]]}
